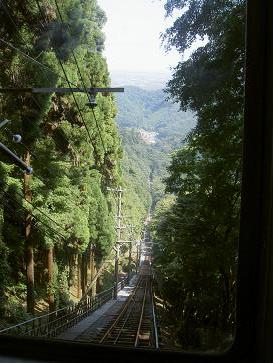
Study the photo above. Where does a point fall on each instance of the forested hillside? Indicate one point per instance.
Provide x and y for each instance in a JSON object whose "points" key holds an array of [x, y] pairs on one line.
{"points": [[57, 225], [196, 227], [149, 110], [144, 165]]}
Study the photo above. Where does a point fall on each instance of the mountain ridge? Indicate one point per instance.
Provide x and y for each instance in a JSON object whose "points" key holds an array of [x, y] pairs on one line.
{"points": [[143, 79]]}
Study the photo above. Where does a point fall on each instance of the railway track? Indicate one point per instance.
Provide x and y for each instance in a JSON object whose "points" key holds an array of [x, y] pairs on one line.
{"points": [[133, 325]]}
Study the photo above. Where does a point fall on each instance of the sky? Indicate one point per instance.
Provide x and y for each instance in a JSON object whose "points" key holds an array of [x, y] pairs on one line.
{"points": [[133, 36]]}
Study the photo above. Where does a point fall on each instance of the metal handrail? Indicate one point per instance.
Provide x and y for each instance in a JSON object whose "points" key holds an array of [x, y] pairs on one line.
{"points": [[154, 320], [121, 312], [52, 324]]}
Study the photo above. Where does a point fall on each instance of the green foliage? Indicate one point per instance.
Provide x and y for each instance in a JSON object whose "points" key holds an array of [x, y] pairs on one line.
{"points": [[71, 209], [144, 165], [197, 233], [151, 111]]}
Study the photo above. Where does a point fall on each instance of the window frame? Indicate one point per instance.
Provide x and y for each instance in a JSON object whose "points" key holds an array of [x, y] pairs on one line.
{"points": [[254, 330]]}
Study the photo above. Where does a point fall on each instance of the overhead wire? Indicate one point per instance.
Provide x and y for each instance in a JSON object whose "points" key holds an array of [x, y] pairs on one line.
{"points": [[43, 66], [36, 101], [77, 105], [36, 175], [69, 85], [81, 77], [16, 27], [10, 45], [64, 78], [124, 218], [11, 210], [18, 31], [34, 207], [5, 7], [35, 217], [32, 59]]}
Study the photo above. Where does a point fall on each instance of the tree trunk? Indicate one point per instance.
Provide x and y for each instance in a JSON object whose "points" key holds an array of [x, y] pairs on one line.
{"points": [[93, 272], [79, 290], [83, 273], [29, 245], [130, 260], [226, 308], [98, 284], [50, 267], [72, 270]]}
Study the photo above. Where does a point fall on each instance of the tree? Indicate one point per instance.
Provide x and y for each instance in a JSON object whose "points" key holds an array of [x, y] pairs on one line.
{"points": [[68, 207], [198, 235]]}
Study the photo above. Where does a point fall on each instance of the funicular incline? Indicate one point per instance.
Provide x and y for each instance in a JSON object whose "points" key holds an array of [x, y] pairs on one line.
{"points": [[128, 321]]}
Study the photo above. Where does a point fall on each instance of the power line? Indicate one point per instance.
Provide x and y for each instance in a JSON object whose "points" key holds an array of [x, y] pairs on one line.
{"points": [[10, 45], [22, 196], [69, 85], [81, 77], [31, 58], [12, 211], [35, 217], [77, 105], [36, 175], [97, 124], [36, 101], [39, 105], [18, 31], [64, 78]]}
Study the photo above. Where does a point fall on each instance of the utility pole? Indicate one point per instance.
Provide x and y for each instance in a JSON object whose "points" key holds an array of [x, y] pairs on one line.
{"points": [[130, 251], [119, 241], [119, 192], [119, 217], [137, 257]]}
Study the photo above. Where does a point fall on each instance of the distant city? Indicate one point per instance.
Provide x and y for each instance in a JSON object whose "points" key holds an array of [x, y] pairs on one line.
{"points": [[147, 136]]}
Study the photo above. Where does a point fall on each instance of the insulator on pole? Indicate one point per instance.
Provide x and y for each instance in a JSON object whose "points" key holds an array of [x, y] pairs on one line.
{"points": [[17, 138]]}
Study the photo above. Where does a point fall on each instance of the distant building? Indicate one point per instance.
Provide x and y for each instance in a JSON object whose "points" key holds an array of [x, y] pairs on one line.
{"points": [[148, 137]]}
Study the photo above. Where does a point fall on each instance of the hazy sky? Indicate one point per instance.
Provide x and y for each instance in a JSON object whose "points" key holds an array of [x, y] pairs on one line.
{"points": [[132, 35]]}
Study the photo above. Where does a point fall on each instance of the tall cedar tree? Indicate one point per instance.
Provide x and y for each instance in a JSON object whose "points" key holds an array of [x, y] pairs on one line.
{"points": [[71, 172]]}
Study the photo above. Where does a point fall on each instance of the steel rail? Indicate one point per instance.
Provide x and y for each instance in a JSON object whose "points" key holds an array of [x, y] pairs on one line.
{"points": [[127, 318], [124, 323], [123, 310], [129, 311], [141, 314]]}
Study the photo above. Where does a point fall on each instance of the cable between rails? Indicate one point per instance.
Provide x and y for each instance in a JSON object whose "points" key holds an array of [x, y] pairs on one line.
{"points": [[124, 309], [141, 314]]}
